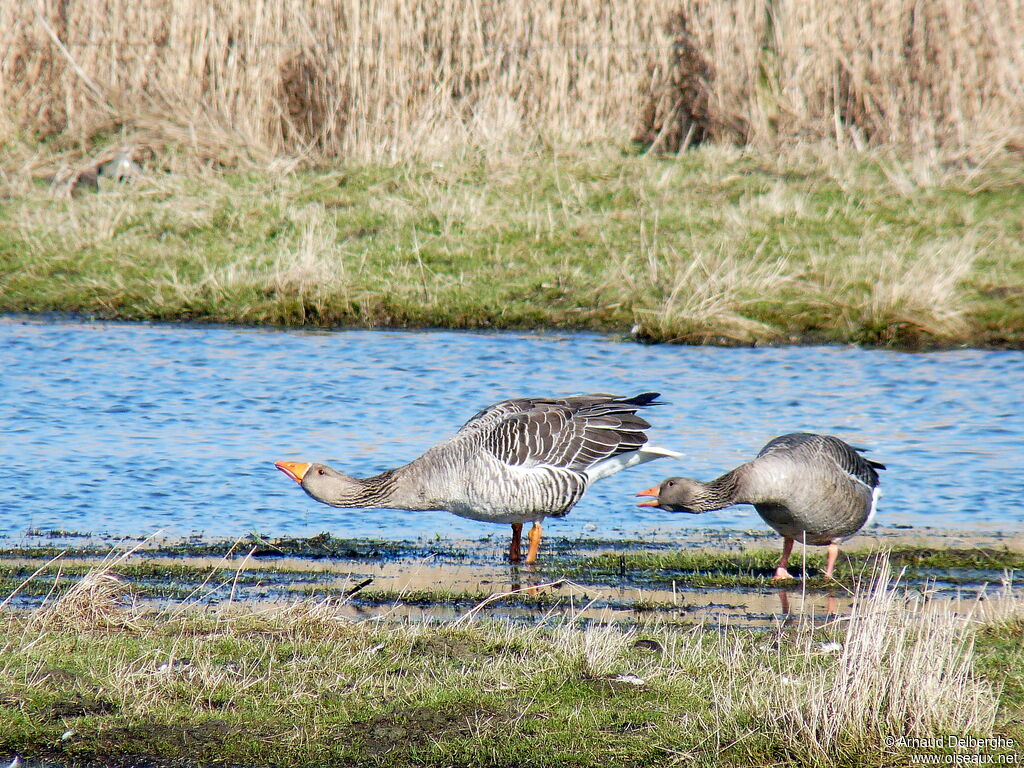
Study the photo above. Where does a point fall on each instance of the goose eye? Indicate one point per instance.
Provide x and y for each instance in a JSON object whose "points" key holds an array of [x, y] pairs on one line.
{"points": [[320, 471]]}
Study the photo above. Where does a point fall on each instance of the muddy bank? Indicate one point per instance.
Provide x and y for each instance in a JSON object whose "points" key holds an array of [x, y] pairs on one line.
{"points": [[711, 577]]}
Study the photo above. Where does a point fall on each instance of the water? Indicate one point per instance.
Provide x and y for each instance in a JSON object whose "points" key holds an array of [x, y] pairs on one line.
{"points": [[123, 429]]}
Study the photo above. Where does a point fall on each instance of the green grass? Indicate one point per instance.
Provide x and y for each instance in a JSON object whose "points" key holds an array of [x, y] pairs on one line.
{"points": [[85, 681], [300, 687], [432, 697], [713, 246], [756, 567], [323, 545]]}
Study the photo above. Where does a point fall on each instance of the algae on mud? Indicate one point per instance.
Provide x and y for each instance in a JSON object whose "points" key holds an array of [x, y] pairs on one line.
{"points": [[706, 579]]}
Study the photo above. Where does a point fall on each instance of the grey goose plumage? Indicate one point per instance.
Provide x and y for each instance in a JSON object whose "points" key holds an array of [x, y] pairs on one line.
{"points": [[517, 461], [812, 488]]}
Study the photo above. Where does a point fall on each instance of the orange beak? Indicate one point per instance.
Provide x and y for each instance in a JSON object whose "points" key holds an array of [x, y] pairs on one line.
{"points": [[652, 491], [293, 469]]}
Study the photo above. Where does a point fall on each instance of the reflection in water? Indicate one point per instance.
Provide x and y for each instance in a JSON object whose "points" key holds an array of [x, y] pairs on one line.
{"points": [[807, 604], [127, 428]]}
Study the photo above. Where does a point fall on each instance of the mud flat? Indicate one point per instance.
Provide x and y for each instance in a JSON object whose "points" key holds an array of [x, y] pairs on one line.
{"points": [[710, 577]]}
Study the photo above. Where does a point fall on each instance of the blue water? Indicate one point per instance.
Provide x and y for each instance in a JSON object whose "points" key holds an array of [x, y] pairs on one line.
{"points": [[123, 429]]}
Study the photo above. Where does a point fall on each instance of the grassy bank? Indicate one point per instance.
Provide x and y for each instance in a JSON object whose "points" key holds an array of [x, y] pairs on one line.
{"points": [[90, 678], [714, 246]]}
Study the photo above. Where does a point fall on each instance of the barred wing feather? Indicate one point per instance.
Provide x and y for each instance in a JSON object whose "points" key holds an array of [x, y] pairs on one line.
{"points": [[573, 433], [817, 447]]}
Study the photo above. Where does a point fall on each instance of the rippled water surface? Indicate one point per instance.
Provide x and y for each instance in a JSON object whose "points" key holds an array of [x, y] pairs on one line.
{"points": [[129, 428]]}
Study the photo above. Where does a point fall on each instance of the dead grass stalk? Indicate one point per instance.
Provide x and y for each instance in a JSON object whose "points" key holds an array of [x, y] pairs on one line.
{"points": [[235, 81]]}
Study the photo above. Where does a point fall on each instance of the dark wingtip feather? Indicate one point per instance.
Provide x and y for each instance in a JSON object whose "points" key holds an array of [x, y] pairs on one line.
{"points": [[871, 462], [643, 399]]}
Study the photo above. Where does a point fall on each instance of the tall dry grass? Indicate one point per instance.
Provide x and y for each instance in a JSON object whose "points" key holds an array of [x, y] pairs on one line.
{"points": [[903, 669], [253, 81], [945, 75]]}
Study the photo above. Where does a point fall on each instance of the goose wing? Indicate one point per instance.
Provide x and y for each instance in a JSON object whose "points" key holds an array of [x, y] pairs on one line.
{"points": [[572, 433], [816, 447]]}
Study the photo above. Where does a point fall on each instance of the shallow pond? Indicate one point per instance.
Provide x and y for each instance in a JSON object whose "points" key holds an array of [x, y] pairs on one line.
{"points": [[124, 429]]}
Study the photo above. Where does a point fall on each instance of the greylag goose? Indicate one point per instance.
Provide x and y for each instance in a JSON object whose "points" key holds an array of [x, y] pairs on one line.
{"points": [[812, 488], [517, 461]]}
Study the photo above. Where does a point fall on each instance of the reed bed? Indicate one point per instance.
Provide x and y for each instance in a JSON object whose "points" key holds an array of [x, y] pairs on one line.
{"points": [[258, 82]]}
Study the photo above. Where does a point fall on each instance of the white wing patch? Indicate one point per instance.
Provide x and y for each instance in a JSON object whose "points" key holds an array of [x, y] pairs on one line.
{"points": [[876, 494], [615, 464]]}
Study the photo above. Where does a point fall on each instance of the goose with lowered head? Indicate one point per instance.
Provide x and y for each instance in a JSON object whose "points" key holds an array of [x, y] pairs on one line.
{"points": [[811, 488], [518, 461]]}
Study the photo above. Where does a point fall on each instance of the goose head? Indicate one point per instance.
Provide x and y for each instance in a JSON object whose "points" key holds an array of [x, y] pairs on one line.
{"points": [[677, 494], [323, 483]]}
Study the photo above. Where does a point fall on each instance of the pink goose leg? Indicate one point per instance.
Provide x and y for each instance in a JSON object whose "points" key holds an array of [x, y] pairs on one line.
{"points": [[787, 548], [833, 553]]}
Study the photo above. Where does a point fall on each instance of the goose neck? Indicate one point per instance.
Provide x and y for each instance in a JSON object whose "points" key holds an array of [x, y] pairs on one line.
{"points": [[719, 493]]}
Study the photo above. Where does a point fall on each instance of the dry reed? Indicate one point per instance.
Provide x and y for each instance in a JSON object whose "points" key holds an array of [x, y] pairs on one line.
{"points": [[904, 669], [100, 599], [252, 81]]}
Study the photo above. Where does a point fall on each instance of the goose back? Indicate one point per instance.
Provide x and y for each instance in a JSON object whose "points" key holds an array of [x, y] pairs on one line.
{"points": [[813, 485], [529, 458]]}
